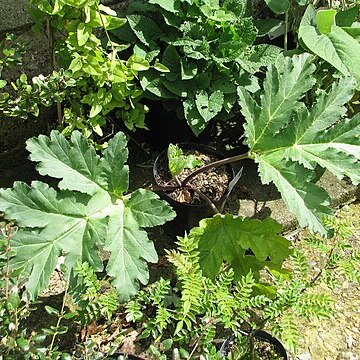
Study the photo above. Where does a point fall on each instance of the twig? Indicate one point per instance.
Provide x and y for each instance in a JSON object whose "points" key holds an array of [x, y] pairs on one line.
{"points": [[326, 267], [214, 164], [60, 317], [50, 35], [201, 195]]}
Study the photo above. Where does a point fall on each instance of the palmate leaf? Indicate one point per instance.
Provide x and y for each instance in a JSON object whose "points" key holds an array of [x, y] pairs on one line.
{"points": [[78, 224], [228, 237], [288, 140]]}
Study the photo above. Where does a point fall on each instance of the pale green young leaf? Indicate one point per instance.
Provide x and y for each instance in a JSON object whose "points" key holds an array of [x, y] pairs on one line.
{"points": [[160, 67], [325, 19], [137, 63], [107, 10], [83, 33], [178, 161]]}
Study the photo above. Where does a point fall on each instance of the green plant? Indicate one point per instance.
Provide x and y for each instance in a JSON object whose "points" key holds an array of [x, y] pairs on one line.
{"points": [[89, 210], [334, 37], [16, 341], [11, 53], [338, 255], [89, 79], [201, 308], [94, 298], [288, 137], [27, 98], [178, 161], [208, 46]]}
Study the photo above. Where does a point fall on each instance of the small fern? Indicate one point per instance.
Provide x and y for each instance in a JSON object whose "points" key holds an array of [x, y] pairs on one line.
{"points": [[287, 329], [94, 298], [318, 306], [190, 281], [300, 265], [199, 307]]}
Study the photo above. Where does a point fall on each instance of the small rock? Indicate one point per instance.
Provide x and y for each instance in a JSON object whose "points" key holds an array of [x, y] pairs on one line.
{"points": [[350, 342], [304, 356]]}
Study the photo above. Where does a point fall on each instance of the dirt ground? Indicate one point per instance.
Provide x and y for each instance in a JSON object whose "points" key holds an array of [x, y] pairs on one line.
{"points": [[339, 337]]}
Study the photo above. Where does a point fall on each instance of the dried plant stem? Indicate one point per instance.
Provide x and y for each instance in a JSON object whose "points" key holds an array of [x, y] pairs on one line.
{"points": [[50, 35], [326, 266], [214, 164], [60, 317], [201, 195]]}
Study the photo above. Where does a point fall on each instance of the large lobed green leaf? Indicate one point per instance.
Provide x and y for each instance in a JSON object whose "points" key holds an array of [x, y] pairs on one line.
{"points": [[231, 238], [288, 140], [89, 213]]}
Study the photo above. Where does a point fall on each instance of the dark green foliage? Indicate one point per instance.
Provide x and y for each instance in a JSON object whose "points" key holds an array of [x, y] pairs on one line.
{"points": [[208, 48]]}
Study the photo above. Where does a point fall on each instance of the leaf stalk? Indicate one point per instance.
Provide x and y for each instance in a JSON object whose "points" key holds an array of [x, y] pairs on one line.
{"points": [[215, 164]]}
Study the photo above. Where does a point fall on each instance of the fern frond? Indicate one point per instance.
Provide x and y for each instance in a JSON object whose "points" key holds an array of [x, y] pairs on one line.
{"points": [[300, 264], [158, 291], [87, 278], [190, 279], [289, 331], [341, 225], [162, 319], [108, 304], [350, 267], [133, 310], [224, 304], [244, 288], [315, 305], [259, 301]]}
